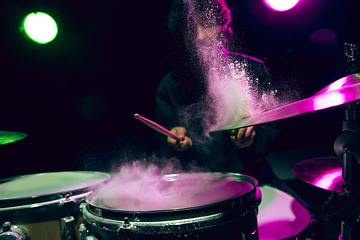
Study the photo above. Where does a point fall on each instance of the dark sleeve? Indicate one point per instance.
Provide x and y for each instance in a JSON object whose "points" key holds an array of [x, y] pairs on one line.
{"points": [[253, 158], [163, 110], [267, 133], [266, 136], [165, 115], [167, 105], [164, 106]]}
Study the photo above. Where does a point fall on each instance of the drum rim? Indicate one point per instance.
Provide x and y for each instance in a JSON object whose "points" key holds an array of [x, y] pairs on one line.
{"points": [[155, 222], [141, 226], [235, 202], [53, 198]]}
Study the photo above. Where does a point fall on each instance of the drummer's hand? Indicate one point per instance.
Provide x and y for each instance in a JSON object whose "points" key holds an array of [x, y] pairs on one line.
{"points": [[182, 145], [243, 137]]}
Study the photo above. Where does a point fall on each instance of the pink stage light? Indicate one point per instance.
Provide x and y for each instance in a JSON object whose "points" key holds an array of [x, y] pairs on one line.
{"points": [[280, 5]]}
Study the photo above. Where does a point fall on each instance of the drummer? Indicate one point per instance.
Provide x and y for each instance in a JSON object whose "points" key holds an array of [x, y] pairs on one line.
{"points": [[181, 96]]}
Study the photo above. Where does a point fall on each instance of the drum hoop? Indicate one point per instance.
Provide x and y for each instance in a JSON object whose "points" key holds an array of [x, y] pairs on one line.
{"points": [[165, 227], [33, 204], [59, 192], [32, 208], [43, 199], [242, 203], [44, 205]]}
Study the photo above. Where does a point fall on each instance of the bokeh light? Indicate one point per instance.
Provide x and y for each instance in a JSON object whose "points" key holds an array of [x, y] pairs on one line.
{"points": [[40, 27], [323, 41], [280, 5]]}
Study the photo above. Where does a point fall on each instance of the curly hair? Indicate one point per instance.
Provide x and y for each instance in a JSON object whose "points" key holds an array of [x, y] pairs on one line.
{"points": [[210, 12]]}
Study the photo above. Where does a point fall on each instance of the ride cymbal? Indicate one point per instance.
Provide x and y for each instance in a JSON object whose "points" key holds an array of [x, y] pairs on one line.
{"points": [[340, 92], [9, 137], [324, 172]]}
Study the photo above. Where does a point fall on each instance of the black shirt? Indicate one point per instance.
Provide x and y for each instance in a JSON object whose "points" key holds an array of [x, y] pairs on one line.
{"points": [[180, 101]]}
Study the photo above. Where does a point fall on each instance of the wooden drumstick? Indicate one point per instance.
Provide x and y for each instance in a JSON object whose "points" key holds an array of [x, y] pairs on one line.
{"points": [[157, 127]]}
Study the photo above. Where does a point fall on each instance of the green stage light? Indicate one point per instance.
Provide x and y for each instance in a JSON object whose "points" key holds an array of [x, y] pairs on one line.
{"points": [[40, 27]]}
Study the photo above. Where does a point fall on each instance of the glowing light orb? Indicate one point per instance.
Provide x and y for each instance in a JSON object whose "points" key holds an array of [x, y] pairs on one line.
{"points": [[40, 27], [280, 5]]}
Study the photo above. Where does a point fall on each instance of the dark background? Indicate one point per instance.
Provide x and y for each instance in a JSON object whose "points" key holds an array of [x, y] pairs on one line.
{"points": [[76, 96]]}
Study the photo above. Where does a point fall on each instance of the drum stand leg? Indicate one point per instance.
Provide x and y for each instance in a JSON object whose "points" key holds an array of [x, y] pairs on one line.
{"points": [[347, 232], [350, 225]]}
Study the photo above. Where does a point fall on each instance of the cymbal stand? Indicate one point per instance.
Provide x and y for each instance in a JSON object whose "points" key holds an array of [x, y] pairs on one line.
{"points": [[351, 53], [347, 147]]}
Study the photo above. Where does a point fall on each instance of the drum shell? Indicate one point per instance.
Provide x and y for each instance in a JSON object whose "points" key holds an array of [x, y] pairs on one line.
{"points": [[234, 218], [45, 224], [47, 204]]}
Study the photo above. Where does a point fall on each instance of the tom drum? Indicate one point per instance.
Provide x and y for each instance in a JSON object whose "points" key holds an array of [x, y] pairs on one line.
{"points": [[45, 205]]}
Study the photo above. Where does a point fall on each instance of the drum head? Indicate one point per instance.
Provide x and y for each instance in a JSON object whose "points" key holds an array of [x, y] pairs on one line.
{"points": [[280, 215], [175, 191], [43, 184]]}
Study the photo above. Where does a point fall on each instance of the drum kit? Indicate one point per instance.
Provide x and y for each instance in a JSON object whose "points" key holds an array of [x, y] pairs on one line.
{"points": [[91, 205]]}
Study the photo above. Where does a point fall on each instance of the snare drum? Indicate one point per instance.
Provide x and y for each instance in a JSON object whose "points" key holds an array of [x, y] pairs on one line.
{"points": [[280, 216], [45, 205], [188, 205]]}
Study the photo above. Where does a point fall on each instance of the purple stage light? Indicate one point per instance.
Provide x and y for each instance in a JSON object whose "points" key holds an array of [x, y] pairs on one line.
{"points": [[280, 5]]}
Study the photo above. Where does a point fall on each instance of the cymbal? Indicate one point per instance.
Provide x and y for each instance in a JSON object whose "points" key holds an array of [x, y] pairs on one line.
{"points": [[324, 172], [338, 93], [9, 137], [341, 83]]}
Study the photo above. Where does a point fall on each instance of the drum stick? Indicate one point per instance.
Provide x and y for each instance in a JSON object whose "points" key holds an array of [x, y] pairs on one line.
{"points": [[157, 127]]}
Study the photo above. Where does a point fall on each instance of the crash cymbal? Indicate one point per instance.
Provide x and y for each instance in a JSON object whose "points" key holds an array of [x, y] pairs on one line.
{"points": [[9, 137], [325, 173], [341, 83], [340, 92]]}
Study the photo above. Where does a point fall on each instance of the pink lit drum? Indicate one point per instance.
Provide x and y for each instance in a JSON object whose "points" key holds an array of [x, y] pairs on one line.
{"points": [[280, 216], [188, 205], [45, 205]]}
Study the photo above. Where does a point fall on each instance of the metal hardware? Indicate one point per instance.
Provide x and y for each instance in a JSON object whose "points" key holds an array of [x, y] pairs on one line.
{"points": [[84, 233], [13, 232], [67, 229]]}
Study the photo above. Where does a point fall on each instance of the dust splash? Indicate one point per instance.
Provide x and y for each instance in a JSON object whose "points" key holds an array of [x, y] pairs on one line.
{"points": [[233, 91], [139, 186]]}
